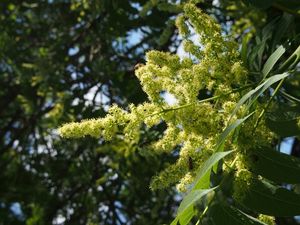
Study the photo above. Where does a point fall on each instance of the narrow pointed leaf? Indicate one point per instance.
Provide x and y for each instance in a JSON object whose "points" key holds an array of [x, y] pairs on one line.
{"points": [[203, 174], [254, 57], [275, 166], [220, 212], [281, 29], [290, 97], [230, 128], [244, 49], [272, 60], [191, 198], [185, 217], [266, 198], [292, 61], [175, 221], [283, 120], [284, 128], [255, 93], [186, 208]]}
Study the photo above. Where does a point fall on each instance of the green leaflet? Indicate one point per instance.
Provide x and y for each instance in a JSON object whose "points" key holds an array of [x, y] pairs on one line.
{"points": [[292, 61], [259, 4], [228, 129], [283, 120], [281, 28], [289, 5], [186, 211], [192, 197], [254, 58], [284, 128], [219, 212], [185, 217], [244, 49], [255, 93], [261, 39], [263, 197], [272, 60], [289, 97], [274, 165], [203, 174]]}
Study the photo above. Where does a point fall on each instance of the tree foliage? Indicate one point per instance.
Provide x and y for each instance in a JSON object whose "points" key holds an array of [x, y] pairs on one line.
{"points": [[235, 98], [231, 119], [63, 61]]}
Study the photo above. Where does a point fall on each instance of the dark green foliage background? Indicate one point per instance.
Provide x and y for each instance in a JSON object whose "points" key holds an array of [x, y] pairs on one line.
{"points": [[49, 176], [88, 181]]}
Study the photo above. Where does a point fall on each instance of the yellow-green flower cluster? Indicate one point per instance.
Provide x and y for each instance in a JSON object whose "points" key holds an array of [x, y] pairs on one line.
{"points": [[117, 120], [270, 220], [252, 135], [106, 127], [242, 184], [184, 182], [182, 26], [172, 137], [192, 125]]}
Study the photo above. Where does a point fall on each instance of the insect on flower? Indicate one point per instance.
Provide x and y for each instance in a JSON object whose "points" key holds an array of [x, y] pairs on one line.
{"points": [[190, 163], [137, 66]]}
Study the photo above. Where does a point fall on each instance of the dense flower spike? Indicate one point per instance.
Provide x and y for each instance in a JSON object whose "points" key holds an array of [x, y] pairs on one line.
{"points": [[193, 123], [182, 26], [270, 220]]}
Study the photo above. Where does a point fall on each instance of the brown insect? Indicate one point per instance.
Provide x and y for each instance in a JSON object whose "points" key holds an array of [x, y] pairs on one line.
{"points": [[190, 163], [137, 66]]}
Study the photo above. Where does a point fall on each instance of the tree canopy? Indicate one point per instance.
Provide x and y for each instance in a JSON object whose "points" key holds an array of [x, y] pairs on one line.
{"points": [[183, 99]]}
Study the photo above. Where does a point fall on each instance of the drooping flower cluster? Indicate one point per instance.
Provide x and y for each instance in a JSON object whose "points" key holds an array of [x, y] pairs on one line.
{"points": [[270, 220], [193, 123]]}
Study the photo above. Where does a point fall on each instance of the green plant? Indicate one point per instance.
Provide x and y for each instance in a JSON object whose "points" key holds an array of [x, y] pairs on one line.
{"points": [[227, 164]]}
